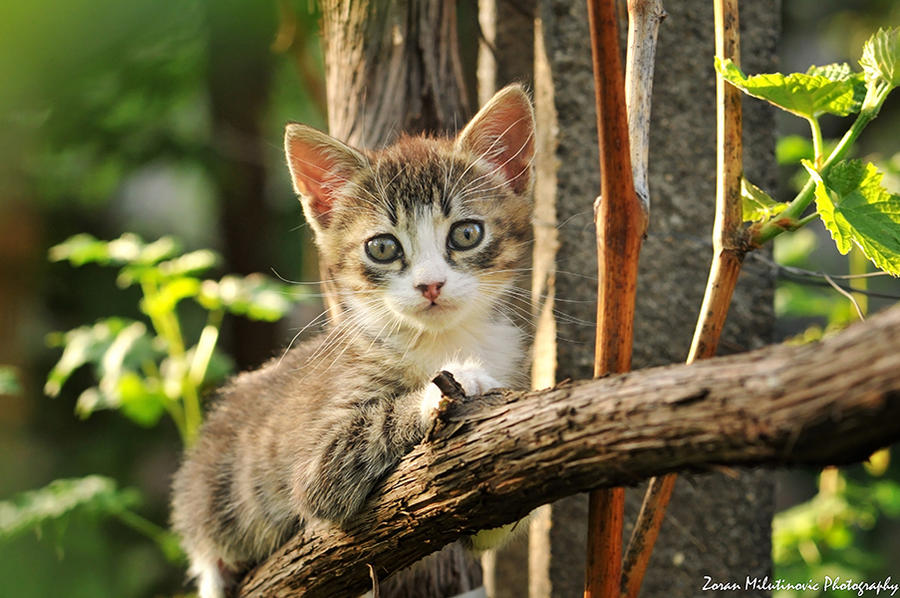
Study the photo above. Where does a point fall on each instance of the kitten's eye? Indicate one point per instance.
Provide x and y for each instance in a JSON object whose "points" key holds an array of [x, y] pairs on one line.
{"points": [[465, 234], [384, 248]]}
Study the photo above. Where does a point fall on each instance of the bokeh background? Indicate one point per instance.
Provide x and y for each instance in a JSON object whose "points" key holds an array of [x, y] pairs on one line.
{"points": [[165, 117]]}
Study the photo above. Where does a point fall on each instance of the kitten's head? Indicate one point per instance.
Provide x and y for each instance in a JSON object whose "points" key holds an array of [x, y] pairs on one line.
{"points": [[427, 232]]}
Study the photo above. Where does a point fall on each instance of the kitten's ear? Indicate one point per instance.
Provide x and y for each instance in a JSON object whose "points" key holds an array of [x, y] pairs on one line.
{"points": [[320, 168], [503, 133]]}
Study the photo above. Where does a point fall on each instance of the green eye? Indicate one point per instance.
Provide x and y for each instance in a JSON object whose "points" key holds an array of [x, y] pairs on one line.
{"points": [[465, 234], [384, 248]]}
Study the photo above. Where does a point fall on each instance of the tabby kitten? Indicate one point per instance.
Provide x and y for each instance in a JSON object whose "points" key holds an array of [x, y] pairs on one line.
{"points": [[422, 241]]}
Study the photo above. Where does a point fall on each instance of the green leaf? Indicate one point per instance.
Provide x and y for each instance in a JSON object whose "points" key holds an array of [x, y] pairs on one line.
{"points": [[881, 58], [757, 205], [806, 95], [80, 249], [855, 208], [790, 149], [169, 295], [254, 296], [194, 262], [59, 500], [141, 400], [9, 381], [82, 345], [128, 249]]}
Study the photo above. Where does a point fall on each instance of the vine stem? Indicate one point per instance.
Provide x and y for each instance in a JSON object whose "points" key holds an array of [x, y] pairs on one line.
{"points": [[818, 144], [728, 254], [621, 221], [791, 218]]}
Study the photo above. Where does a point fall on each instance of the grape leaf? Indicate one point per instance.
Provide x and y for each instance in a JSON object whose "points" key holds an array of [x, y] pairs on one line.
{"points": [[807, 95], [881, 57], [855, 208], [756, 204]]}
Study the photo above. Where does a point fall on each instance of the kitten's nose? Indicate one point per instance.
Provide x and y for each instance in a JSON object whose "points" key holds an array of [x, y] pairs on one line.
{"points": [[431, 290]]}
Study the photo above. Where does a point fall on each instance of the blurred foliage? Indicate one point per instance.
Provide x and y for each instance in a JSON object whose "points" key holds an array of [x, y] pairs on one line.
{"points": [[94, 496], [108, 122], [142, 371], [830, 535], [9, 381], [146, 372]]}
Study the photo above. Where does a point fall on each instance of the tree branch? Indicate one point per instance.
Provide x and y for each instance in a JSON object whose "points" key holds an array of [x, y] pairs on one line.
{"points": [[831, 402]]}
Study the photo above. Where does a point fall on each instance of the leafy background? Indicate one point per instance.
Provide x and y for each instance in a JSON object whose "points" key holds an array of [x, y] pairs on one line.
{"points": [[164, 117]]}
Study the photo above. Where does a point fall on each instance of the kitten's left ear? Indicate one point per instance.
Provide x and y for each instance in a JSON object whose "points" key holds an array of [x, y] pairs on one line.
{"points": [[503, 134]]}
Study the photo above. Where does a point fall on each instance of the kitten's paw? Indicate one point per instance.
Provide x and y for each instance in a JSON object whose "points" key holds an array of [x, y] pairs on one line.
{"points": [[473, 378], [468, 379]]}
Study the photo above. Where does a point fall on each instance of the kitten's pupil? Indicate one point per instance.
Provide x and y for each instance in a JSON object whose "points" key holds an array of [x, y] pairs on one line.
{"points": [[384, 248], [466, 234]]}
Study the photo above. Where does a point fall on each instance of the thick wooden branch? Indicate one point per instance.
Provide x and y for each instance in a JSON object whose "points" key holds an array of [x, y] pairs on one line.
{"points": [[826, 403]]}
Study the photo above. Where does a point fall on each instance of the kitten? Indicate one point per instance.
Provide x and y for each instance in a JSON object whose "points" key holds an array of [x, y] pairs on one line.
{"points": [[422, 241]]}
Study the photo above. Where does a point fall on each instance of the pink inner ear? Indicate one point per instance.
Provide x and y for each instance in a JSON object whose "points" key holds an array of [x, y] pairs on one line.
{"points": [[318, 171], [505, 137]]}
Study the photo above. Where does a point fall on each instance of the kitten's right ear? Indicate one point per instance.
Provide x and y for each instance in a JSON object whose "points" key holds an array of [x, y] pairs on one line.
{"points": [[321, 166]]}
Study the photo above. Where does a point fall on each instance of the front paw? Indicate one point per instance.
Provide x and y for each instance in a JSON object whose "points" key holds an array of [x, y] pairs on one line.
{"points": [[467, 379]]}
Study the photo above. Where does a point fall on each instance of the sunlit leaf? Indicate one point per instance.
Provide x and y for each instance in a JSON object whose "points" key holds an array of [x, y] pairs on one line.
{"points": [[803, 94], [169, 295], [855, 208], [254, 296], [128, 249], [80, 249], [756, 204], [881, 57], [82, 345], [878, 462], [59, 500], [141, 400], [193, 262]]}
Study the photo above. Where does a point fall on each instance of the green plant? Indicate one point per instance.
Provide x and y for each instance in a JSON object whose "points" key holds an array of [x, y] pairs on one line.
{"points": [[848, 194], [144, 371], [143, 368]]}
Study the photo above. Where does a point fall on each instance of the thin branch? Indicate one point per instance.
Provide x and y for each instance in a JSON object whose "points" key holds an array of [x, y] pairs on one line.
{"points": [[830, 402], [621, 221], [729, 249], [848, 295], [644, 17]]}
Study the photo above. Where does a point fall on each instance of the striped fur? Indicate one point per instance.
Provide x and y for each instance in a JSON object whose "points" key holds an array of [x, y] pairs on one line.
{"points": [[306, 438]]}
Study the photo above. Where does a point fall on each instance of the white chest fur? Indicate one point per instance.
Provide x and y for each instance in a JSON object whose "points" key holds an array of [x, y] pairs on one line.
{"points": [[495, 346]]}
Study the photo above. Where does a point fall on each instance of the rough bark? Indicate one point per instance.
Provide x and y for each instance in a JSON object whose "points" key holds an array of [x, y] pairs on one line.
{"points": [[391, 67], [832, 402]]}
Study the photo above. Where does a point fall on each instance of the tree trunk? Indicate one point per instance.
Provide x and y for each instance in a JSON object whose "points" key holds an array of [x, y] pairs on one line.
{"points": [[674, 261], [238, 84], [499, 456], [393, 67]]}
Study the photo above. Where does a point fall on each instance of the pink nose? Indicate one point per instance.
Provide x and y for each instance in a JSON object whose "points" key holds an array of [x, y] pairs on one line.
{"points": [[430, 291]]}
